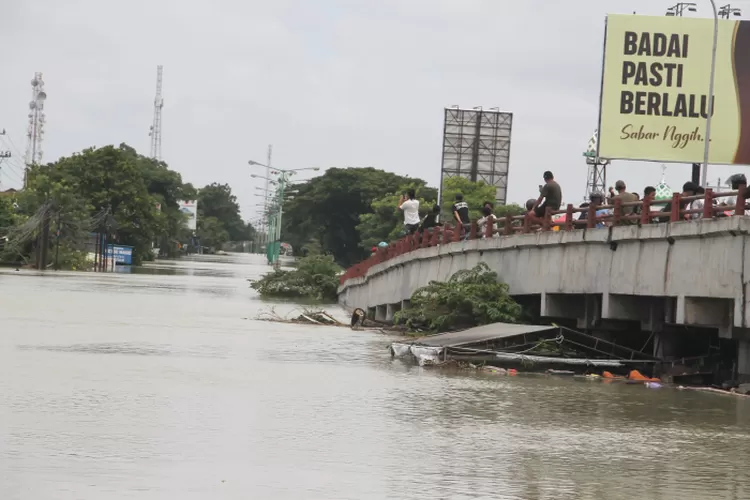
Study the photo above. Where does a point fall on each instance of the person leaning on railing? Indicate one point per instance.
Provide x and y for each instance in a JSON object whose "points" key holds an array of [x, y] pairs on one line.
{"points": [[487, 218], [430, 220]]}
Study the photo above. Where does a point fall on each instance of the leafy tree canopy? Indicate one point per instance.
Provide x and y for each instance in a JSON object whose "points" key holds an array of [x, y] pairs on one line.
{"points": [[140, 193], [316, 277], [471, 297], [386, 222], [475, 194], [219, 219], [327, 209]]}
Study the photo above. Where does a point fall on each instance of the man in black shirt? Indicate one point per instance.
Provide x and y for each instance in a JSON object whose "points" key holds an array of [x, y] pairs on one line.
{"points": [[460, 211]]}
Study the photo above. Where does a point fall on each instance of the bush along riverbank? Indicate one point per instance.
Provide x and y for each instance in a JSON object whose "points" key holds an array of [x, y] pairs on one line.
{"points": [[314, 278], [471, 297]]}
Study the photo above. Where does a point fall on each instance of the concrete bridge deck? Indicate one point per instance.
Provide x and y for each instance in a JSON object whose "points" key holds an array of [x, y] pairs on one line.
{"points": [[678, 273]]}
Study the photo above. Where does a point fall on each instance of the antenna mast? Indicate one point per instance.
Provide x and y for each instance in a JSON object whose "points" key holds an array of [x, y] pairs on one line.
{"points": [[37, 118], [155, 131]]}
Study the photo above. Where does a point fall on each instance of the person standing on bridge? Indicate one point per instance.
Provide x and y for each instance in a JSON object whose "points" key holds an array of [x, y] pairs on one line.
{"points": [[410, 206], [460, 211], [551, 193]]}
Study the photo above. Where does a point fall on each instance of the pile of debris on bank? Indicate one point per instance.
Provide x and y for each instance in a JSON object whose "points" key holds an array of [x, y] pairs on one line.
{"points": [[527, 347]]}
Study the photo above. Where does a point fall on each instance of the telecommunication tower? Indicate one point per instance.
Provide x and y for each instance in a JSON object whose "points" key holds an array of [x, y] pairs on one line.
{"points": [[155, 131], [596, 180], [35, 132]]}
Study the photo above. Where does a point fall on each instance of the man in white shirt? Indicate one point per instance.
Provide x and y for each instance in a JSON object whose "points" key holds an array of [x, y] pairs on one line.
{"points": [[410, 206]]}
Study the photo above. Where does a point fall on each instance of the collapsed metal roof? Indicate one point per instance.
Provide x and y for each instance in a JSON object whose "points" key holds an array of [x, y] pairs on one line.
{"points": [[486, 333]]}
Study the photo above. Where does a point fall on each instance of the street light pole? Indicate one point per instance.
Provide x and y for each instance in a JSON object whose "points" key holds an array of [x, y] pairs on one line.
{"points": [[710, 97], [274, 234]]}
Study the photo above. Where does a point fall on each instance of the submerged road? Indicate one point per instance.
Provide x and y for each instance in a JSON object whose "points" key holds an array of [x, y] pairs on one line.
{"points": [[160, 384]]}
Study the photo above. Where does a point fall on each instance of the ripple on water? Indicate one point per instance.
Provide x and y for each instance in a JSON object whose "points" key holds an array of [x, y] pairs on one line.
{"points": [[153, 386]]}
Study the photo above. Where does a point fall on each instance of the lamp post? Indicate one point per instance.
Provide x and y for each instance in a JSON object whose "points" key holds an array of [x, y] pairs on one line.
{"points": [[678, 10], [274, 233], [725, 11], [704, 179]]}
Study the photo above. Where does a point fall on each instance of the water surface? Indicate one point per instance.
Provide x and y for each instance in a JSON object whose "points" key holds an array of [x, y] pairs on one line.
{"points": [[159, 384]]}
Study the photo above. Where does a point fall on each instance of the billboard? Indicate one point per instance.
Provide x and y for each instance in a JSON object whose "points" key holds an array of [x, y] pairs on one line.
{"points": [[655, 86], [476, 145], [190, 209]]}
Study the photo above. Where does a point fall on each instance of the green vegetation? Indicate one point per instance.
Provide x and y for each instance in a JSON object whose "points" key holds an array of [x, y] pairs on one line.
{"points": [[315, 277], [471, 297], [386, 222], [326, 210], [345, 212], [117, 191]]}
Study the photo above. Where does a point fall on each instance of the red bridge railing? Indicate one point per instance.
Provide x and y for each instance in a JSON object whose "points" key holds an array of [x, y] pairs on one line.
{"points": [[642, 215]]}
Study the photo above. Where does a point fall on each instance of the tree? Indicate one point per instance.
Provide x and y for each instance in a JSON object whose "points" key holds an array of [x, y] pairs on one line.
{"points": [[140, 195], [386, 222], [475, 194], [219, 219], [328, 209], [471, 297], [511, 209], [315, 277]]}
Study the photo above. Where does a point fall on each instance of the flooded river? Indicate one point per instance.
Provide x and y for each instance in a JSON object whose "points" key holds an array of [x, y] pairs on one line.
{"points": [[161, 385]]}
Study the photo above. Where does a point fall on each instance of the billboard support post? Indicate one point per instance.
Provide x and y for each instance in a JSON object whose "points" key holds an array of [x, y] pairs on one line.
{"points": [[707, 146]]}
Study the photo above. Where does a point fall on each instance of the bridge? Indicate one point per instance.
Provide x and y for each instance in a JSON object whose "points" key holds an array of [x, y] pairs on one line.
{"points": [[652, 272]]}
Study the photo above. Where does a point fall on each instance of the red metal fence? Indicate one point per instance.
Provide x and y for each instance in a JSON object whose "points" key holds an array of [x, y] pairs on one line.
{"points": [[523, 224]]}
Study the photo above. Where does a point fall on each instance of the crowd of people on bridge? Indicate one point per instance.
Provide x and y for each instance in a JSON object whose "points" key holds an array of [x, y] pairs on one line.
{"points": [[551, 197]]}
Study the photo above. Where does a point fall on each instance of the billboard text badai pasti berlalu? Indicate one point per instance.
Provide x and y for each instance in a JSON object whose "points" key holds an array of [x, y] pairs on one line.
{"points": [[655, 101]]}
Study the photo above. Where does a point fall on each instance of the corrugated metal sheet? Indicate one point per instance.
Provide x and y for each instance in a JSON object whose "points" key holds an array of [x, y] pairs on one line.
{"points": [[480, 334]]}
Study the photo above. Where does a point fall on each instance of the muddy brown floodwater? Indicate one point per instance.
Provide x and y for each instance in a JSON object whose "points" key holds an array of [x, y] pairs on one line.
{"points": [[160, 385]]}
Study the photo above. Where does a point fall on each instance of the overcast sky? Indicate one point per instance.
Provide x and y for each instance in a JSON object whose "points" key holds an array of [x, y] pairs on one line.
{"points": [[330, 83]]}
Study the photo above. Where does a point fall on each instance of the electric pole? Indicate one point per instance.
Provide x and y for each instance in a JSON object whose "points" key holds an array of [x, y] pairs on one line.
{"points": [[727, 10]]}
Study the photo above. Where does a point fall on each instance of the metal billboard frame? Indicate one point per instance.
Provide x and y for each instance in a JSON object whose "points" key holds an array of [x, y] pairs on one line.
{"points": [[476, 146]]}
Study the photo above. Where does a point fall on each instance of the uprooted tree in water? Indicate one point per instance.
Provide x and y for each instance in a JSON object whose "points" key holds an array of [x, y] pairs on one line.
{"points": [[471, 297], [315, 278]]}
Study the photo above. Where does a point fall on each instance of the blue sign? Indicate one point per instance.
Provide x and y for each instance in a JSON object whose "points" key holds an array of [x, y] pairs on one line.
{"points": [[122, 254]]}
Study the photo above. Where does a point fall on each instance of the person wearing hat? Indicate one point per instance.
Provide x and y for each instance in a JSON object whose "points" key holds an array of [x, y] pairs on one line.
{"points": [[624, 197]]}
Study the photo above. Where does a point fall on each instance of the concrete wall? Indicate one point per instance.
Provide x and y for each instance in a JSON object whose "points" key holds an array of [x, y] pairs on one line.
{"points": [[690, 273]]}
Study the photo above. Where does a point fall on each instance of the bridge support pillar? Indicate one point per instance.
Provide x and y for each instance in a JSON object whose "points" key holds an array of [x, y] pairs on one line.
{"points": [[391, 310], [585, 309], [381, 313], [743, 360], [705, 311]]}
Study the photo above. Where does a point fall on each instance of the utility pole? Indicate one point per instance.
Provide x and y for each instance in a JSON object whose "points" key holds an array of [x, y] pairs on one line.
{"points": [[678, 10], [727, 10]]}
